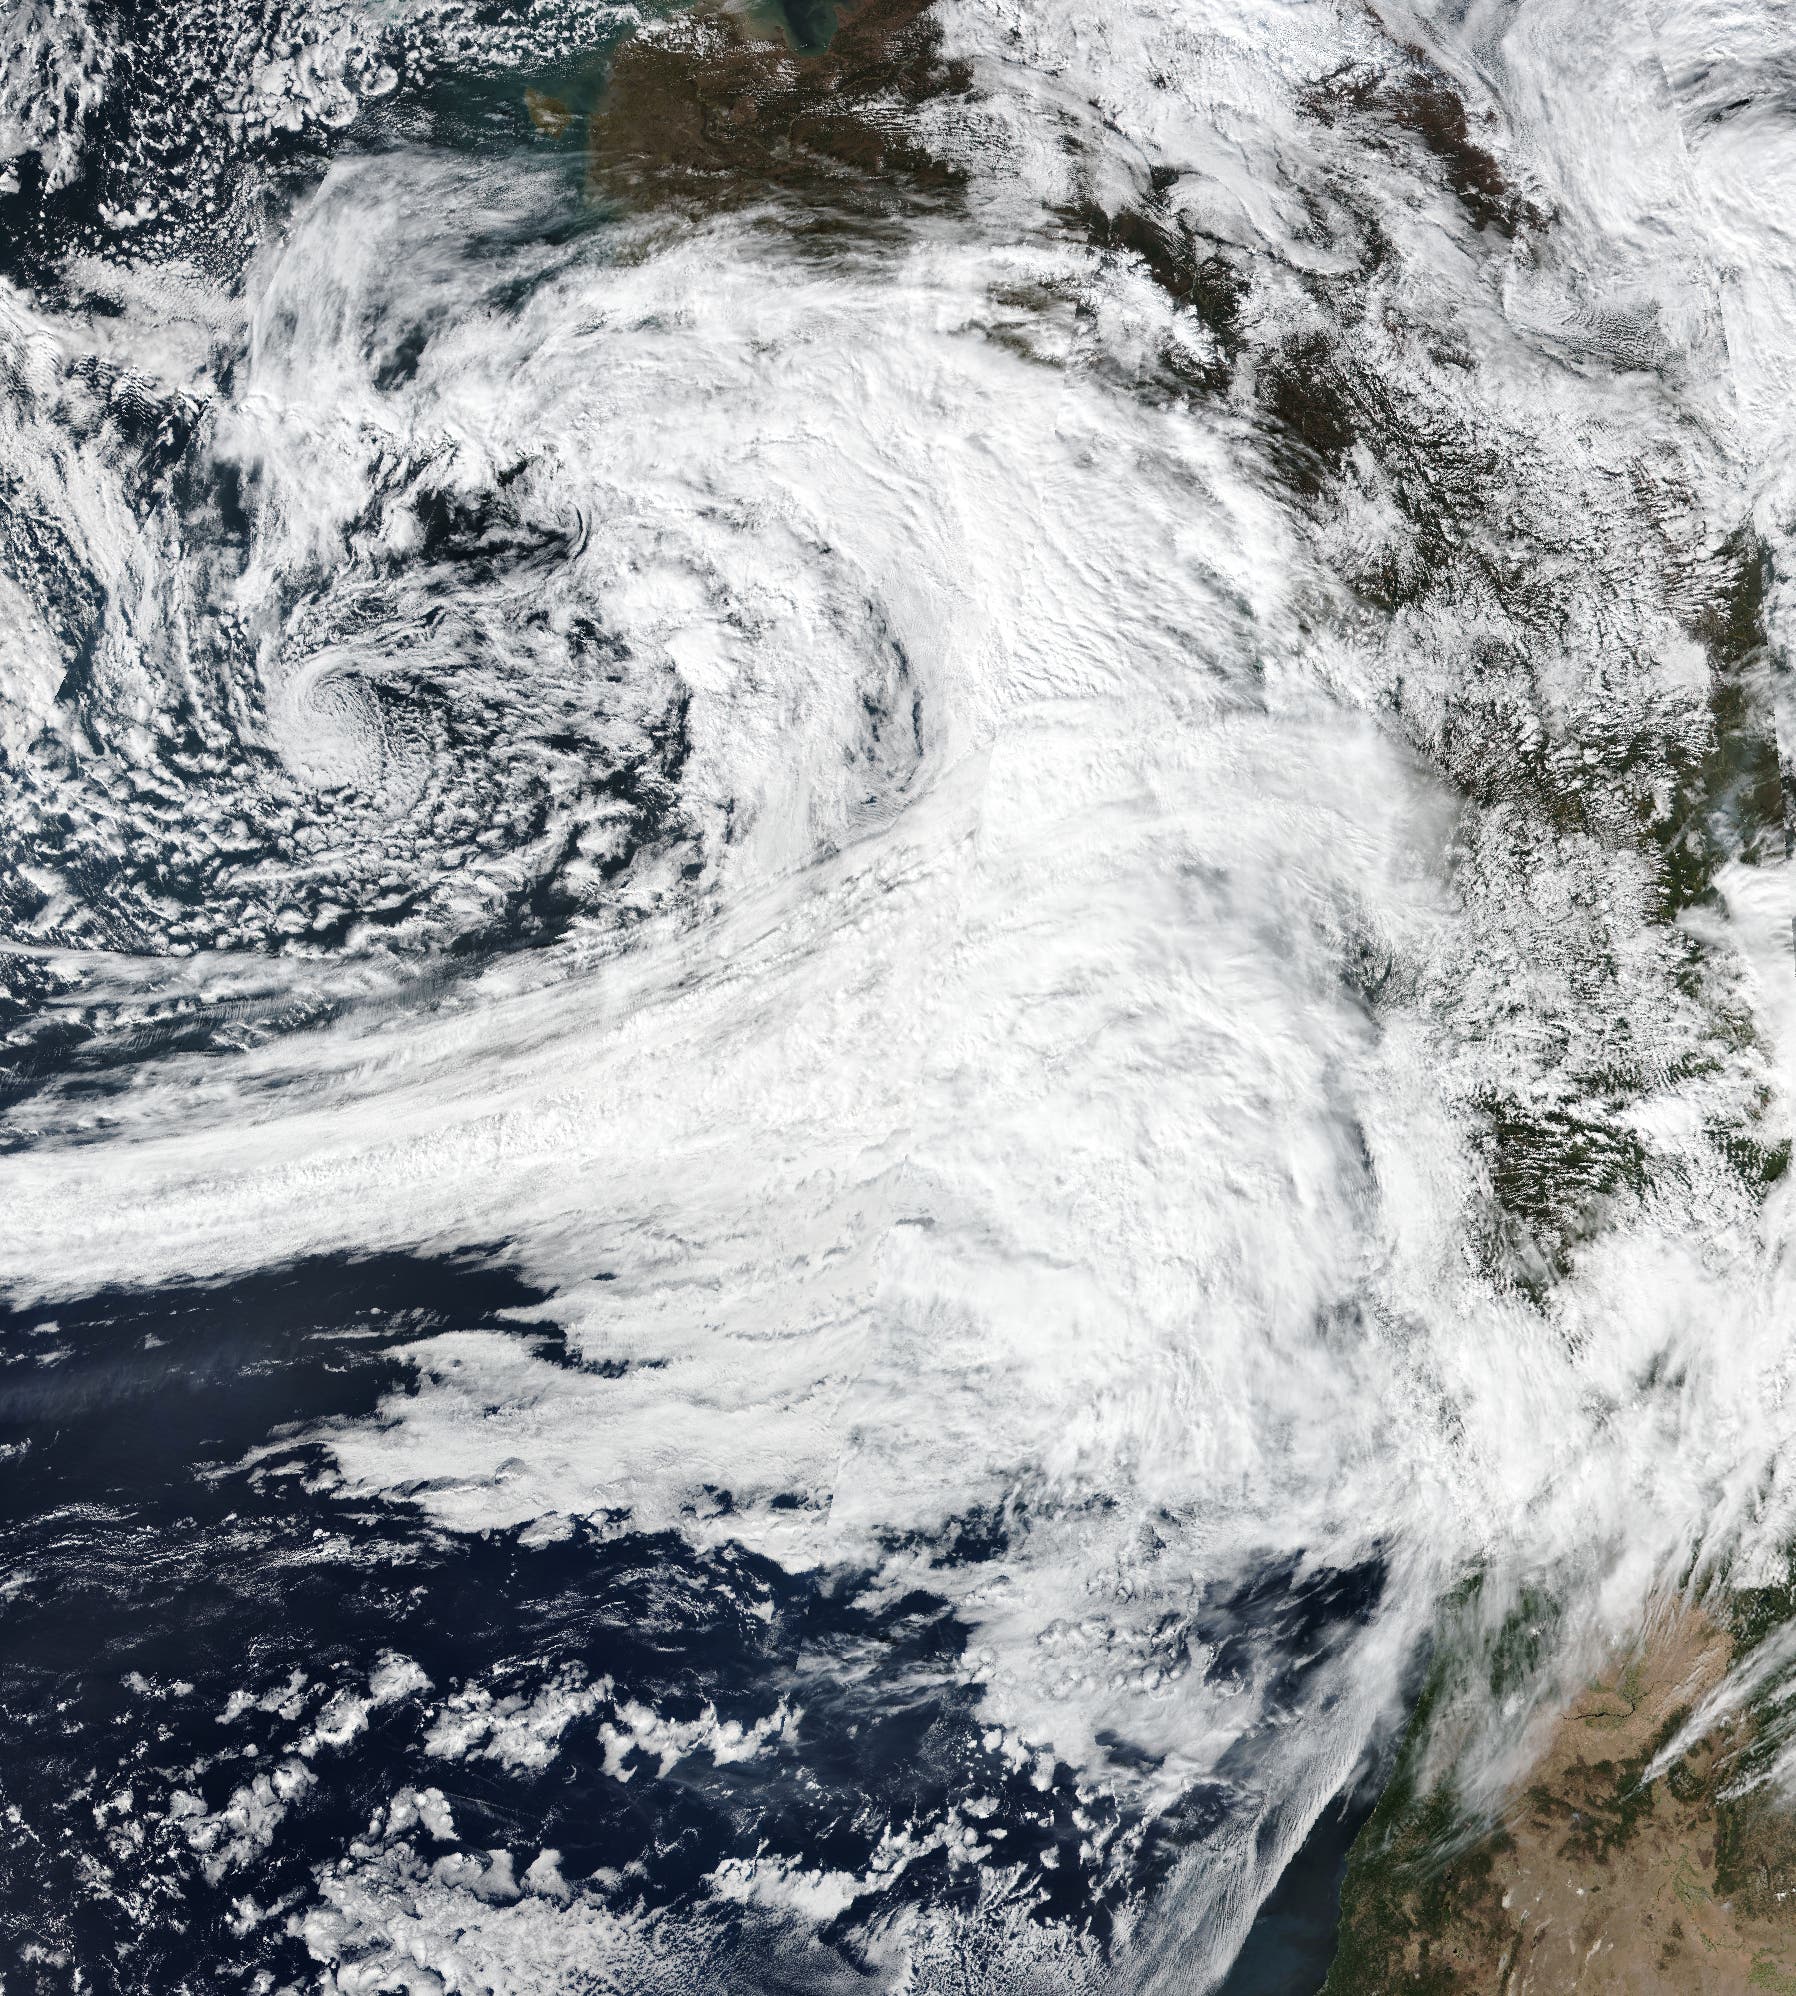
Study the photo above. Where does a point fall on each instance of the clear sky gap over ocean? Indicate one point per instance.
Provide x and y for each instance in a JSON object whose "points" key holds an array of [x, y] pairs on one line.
{"points": [[896, 998]]}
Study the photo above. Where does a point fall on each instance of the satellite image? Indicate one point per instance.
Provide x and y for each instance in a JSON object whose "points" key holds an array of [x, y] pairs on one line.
{"points": [[897, 1011]]}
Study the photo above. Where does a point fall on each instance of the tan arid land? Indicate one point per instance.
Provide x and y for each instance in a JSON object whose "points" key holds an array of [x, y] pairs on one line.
{"points": [[1595, 1881]]}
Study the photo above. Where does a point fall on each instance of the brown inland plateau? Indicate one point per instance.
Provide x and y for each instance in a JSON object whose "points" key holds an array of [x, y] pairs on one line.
{"points": [[1594, 1881], [721, 114]]}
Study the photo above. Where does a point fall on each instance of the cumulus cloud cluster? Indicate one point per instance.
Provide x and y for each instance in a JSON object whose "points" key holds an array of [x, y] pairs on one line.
{"points": [[1106, 860]]}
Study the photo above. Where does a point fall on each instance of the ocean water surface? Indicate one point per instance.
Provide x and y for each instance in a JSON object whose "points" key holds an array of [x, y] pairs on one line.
{"points": [[895, 975]]}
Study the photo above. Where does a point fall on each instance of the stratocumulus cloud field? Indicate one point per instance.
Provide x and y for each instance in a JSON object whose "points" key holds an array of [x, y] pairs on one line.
{"points": [[850, 1004]]}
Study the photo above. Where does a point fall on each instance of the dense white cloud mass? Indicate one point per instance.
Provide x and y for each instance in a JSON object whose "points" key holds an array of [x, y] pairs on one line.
{"points": [[1218, 1002]]}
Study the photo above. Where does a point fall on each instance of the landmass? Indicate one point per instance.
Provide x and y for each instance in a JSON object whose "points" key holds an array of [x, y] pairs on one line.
{"points": [[1594, 1877]]}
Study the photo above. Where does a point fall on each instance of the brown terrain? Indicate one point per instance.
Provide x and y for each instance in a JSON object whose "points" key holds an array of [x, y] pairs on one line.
{"points": [[1594, 1881], [723, 113]]}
